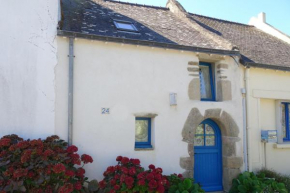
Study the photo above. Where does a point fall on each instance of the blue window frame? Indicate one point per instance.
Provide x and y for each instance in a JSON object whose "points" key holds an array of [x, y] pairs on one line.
{"points": [[207, 86], [285, 121], [143, 132]]}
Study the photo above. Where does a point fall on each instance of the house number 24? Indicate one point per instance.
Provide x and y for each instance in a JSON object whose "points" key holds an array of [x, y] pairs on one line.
{"points": [[105, 110]]}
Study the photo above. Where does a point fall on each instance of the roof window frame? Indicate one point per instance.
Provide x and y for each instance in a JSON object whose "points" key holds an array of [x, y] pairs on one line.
{"points": [[116, 21]]}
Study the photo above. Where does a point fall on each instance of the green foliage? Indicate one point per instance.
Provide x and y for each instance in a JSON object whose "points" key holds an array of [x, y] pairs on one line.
{"points": [[248, 182], [183, 185], [278, 177]]}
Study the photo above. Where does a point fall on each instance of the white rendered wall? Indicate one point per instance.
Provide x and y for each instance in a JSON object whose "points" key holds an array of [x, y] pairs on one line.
{"points": [[28, 58], [129, 79], [267, 86]]}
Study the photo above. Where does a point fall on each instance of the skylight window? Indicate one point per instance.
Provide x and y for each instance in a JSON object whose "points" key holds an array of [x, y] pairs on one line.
{"points": [[125, 26]]}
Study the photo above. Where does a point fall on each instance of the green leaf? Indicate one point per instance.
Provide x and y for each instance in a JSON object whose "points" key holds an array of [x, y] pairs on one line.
{"points": [[187, 183], [242, 189]]}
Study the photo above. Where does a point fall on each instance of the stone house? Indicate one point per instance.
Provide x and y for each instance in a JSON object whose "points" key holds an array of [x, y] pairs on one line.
{"points": [[186, 92]]}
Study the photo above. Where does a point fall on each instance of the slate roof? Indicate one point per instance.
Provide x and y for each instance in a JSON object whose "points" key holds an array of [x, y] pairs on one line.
{"points": [[156, 24], [159, 24], [254, 44]]}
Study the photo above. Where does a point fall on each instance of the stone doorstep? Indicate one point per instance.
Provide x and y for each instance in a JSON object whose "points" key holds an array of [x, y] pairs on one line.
{"points": [[216, 192]]}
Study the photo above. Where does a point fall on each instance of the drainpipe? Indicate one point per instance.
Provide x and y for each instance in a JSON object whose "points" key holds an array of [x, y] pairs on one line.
{"points": [[70, 91], [247, 77], [245, 145]]}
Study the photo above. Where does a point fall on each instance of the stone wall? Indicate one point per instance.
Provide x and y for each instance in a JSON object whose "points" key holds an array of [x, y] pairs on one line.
{"points": [[229, 130]]}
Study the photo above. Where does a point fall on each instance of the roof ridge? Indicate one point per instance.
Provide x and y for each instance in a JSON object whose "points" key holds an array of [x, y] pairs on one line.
{"points": [[176, 8], [221, 19], [136, 4]]}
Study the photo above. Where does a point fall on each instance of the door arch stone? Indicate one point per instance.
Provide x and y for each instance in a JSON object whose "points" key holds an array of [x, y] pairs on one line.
{"points": [[229, 131]]}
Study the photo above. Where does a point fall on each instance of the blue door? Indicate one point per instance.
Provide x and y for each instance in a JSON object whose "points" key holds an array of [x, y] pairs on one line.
{"points": [[208, 156]]}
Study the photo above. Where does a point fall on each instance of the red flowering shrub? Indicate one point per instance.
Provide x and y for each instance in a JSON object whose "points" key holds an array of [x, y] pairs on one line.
{"points": [[40, 166], [129, 176]]}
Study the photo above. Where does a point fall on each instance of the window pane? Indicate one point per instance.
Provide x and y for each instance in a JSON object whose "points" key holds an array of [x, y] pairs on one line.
{"points": [[199, 141], [141, 131], [205, 86], [199, 129], [210, 140], [126, 26], [208, 130], [283, 121]]}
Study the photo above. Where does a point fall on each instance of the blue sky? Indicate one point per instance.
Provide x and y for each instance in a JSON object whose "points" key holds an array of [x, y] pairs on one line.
{"points": [[277, 11]]}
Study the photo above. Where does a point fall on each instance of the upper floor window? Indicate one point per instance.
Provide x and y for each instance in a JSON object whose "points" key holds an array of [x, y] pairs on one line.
{"points": [[125, 26], [207, 89], [285, 121], [143, 132]]}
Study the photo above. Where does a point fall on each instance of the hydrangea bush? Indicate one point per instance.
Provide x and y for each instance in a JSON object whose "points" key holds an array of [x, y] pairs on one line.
{"points": [[40, 165], [128, 176]]}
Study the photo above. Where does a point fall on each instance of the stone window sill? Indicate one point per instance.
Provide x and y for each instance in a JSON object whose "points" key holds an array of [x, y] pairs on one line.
{"points": [[144, 149], [282, 146]]}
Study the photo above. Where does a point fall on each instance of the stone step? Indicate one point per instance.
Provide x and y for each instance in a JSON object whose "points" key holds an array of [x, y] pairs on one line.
{"points": [[216, 192]]}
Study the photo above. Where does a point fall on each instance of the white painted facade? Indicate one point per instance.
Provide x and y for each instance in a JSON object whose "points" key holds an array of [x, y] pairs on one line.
{"points": [[268, 88], [28, 58], [129, 80]]}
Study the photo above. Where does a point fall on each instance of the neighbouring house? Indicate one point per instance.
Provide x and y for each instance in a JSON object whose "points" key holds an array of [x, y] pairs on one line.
{"points": [[186, 92], [28, 59]]}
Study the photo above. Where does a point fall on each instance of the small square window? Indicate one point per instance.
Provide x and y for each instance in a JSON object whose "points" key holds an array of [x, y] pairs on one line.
{"points": [[143, 132], [285, 121], [125, 26], [206, 82]]}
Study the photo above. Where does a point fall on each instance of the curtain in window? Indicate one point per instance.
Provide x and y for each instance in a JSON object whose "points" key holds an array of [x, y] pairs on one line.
{"points": [[283, 120], [205, 85], [141, 131], [286, 121]]}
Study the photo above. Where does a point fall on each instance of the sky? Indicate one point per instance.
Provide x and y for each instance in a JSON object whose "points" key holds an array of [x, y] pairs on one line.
{"points": [[277, 11]]}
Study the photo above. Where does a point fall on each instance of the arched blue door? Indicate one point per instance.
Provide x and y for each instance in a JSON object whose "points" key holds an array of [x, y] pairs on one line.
{"points": [[208, 156]]}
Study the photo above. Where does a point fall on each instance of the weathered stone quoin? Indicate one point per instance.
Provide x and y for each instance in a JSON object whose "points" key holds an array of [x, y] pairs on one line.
{"points": [[224, 91], [229, 131], [194, 85]]}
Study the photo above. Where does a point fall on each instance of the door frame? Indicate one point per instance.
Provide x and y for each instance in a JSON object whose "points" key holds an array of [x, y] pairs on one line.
{"points": [[230, 130], [218, 146]]}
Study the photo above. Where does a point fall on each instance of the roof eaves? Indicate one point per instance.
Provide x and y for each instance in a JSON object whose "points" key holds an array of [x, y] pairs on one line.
{"points": [[267, 66], [146, 43]]}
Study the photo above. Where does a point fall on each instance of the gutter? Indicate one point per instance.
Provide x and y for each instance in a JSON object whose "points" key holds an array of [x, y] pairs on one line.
{"points": [[70, 90], [245, 142], [248, 131], [267, 66], [146, 43]]}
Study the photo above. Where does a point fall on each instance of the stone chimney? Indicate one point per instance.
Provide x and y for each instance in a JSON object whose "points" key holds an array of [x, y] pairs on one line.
{"points": [[176, 8]]}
